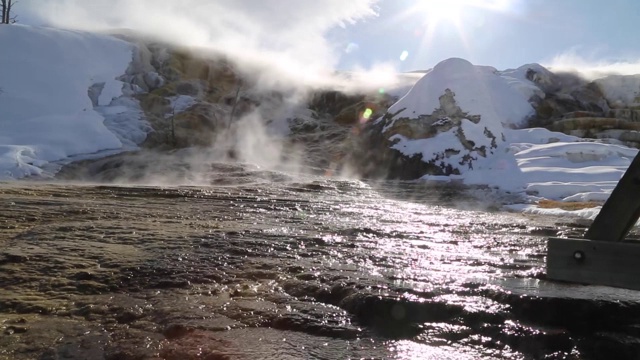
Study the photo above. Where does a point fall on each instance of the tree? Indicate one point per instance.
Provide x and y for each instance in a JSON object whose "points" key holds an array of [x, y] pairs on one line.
{"points": [[7, 5]]}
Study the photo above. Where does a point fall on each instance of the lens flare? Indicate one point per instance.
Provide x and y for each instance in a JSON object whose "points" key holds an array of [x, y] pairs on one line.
{"points": [[367, 113], [351, 48]]}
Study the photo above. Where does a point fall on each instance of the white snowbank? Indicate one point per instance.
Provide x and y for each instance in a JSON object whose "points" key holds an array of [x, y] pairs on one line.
{"points": [[572, 171], [478, 90], [499, 169], [587, 213], [517, 78], [46, 113]]}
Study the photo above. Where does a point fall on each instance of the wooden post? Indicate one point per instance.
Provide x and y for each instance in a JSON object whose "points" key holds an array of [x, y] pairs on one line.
{"points": [[603, 258], [622, 210], [594, 262]]}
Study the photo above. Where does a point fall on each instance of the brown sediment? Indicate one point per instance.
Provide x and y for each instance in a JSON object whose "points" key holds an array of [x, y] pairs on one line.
{"points": [[567, 205]]}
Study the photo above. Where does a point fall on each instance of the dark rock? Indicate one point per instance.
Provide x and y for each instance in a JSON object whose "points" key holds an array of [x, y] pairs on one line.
{"points": [[187, 88], [355, 113], [83, 275], [333, 102], [13, 258], [15, 329], [175, 331]]}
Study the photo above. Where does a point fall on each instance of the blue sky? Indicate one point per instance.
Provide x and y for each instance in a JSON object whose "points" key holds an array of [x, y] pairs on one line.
{"points": [[500, 33], [522, 31]]}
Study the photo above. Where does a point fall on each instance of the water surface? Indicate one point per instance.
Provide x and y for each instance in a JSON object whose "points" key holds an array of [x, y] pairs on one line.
{"points": [[262, 266]]}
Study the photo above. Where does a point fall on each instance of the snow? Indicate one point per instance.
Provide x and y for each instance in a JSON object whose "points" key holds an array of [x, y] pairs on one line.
{"points": [[572, 171], [517, 79], [478, 90], [587, 213], [537, 163], [47, 114], [180, 103], [499, 170]]}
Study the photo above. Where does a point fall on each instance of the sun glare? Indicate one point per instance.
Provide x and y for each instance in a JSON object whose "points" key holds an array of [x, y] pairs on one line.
{"points": [[461, 16], [441, 10], [452, 10]]}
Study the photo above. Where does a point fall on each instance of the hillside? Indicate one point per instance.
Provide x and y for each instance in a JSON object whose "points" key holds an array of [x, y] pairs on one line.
{"points": [[57, 100]]}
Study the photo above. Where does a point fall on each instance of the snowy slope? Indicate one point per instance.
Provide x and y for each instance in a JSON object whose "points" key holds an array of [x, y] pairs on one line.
{"points": [[46, 114], [562, 167], [478, 90], [517, 79]]}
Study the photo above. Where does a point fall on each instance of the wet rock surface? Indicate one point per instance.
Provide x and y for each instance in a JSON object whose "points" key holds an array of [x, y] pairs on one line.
{"points": [[315, 269]]}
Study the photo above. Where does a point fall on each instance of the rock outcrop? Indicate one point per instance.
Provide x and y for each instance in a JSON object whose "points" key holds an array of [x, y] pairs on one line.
{"points": [[600, 109], [450, 122], [186, 97]]}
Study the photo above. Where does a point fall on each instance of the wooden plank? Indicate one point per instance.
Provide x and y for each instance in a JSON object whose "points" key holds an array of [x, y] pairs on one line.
{"points": [[594, 262], [622, 210]]}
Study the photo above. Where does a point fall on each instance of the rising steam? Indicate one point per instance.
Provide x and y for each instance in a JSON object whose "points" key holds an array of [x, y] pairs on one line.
{"points": [[287, 38], [591, 69], [278, 44]]}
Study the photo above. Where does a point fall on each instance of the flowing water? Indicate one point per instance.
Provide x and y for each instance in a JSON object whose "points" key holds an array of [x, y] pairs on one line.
{"points": [[281, 268]]}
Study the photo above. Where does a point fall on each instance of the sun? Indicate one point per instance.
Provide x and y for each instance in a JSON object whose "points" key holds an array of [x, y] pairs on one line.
{"points": [[441, 10], [452, 15], [437, 11], [425, 20]]}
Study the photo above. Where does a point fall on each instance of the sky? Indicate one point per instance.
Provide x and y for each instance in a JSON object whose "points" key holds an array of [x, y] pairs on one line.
{"points": [[500, 33], [403, 35]]}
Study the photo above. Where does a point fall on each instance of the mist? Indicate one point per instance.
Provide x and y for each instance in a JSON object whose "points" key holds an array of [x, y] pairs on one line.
{"points": [[274, 45], [286, 40], [590, 68]]}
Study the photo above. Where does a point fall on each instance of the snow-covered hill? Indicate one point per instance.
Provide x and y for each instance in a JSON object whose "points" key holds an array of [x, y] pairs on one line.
{"points": [[46, 109], [462, 122], [478, 90]]}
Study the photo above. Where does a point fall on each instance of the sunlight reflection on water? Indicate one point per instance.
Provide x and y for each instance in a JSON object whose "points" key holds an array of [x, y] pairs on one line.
{"points": [[410, 350]]}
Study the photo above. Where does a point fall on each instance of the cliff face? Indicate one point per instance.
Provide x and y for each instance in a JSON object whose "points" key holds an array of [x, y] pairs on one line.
{"points": [[451, 122], [606, 108], [201, 101]]}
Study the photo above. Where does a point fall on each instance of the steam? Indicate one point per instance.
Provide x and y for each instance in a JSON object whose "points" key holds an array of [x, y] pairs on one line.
{"points": [[286, 39], [590, 69], [279, 45]]}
